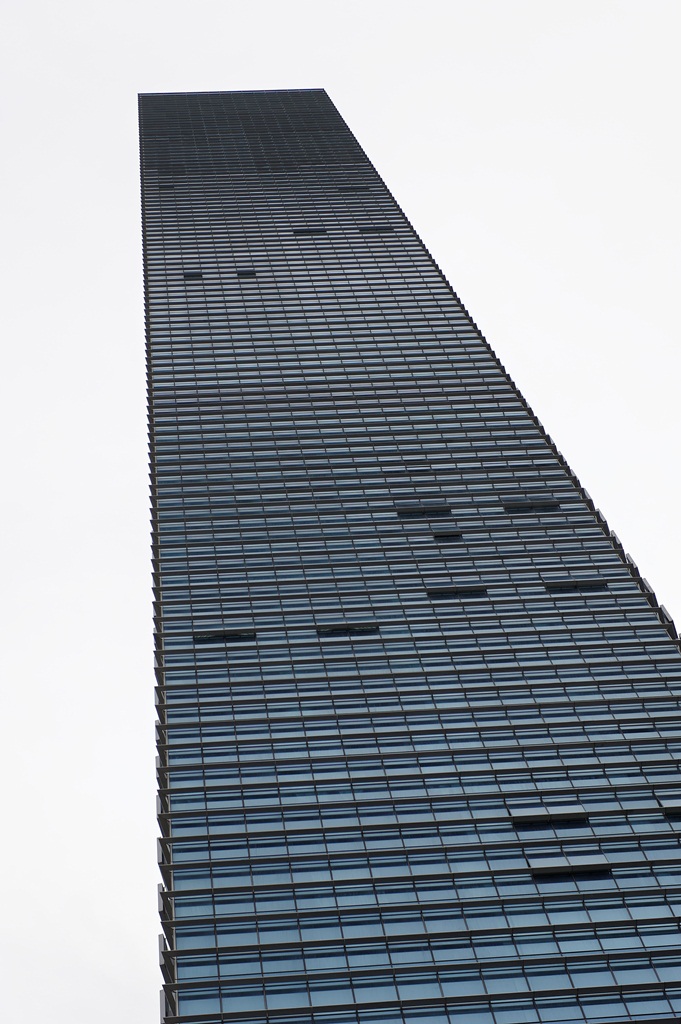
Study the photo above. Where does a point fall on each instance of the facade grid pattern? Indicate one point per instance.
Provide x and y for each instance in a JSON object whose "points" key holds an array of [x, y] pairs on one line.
{"points": [[418, 712]]}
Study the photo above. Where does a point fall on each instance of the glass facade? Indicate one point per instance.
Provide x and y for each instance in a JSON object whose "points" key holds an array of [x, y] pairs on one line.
{"points": [[418, 712]]}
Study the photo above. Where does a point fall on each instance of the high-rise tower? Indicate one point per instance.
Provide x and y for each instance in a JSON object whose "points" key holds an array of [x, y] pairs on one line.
{"points": [[419, 714]]}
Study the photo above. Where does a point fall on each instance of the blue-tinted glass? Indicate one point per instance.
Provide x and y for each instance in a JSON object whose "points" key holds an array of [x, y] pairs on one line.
{"points": [[417, 710]]}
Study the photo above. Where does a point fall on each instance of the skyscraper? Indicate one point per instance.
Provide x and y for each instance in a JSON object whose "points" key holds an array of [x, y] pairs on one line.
{"points": [[418, 711]]}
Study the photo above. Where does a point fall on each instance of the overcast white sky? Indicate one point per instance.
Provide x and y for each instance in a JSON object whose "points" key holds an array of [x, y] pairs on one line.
{"points": [[535, 147]]}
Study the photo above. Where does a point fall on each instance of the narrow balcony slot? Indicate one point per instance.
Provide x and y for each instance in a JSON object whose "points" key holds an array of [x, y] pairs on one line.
{"points": [[347, 629], [576, 874], [574, 586], [550, 821], [446, 535], [531, 815], [462, 593], [531, 503], [567, 869], [215, 636], [376, 229], [422, 509]]}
